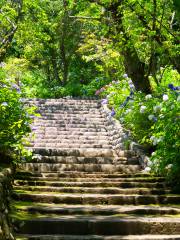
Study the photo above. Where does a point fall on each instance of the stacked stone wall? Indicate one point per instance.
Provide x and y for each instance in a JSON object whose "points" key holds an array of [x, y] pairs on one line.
{"points": [[6, 176], [121, 138]]}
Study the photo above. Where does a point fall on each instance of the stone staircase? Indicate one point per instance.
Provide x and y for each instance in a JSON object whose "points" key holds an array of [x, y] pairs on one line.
{"points": [[79, 187]]}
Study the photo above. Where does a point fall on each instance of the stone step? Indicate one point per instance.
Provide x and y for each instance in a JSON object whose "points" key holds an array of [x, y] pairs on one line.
{"points": [[44, 124], [63, 101], [73, 137], [98, 190], [71, 110], [109, 168], [141, 176], [58, 115], [106, 199], [98, 237], [84, 160], [48, 177], [60, 128], [68, 129], [73, 102], [68, 120], [121, 184], [89, 117], [86, 177], [70, 146], [81, 152], [98, 225], [71, 120], [70, 134], [96, 210], [69, 105], [71, 141], [55, 126]]}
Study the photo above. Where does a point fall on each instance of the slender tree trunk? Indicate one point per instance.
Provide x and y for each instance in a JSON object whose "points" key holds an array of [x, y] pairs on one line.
{"points": [[54, 65], [65, 62]]}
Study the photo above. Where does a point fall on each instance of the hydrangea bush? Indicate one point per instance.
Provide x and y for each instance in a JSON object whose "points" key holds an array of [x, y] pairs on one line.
{"points": [[153, 120], [15, 117]]}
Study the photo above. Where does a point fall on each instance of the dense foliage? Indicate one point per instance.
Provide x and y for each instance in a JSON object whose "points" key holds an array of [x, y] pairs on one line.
{"points": [[127, 51], [15, 118], [153, 119]]}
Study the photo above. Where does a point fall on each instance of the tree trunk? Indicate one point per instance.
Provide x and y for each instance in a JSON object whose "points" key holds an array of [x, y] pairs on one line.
{"points": [[136, 70], [133, 65], [54, 65]]}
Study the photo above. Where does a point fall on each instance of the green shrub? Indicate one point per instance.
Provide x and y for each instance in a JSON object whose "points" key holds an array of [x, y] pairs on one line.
{"points": [[15, 117], [153, 119]]}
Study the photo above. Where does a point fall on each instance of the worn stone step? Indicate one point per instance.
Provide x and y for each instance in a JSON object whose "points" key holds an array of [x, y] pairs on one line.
{"points": [[96, 210], [104, 183], [67, 118], [71, 114], [109, 168], [78, 138], [82, 152], [89, 117], [49, 177], [79, 141], [69, 121], [84, 160], [42, 130], [98, 225], [98, 190], [94, 104], [71, 135], [98, 237], [62, 130], [51, 112], [72, 174], [71, 146], [96, 198]]}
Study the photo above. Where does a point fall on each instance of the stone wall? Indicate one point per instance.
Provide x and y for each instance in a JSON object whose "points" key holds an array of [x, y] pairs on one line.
{"points": [[121, 138], [6, 177]]}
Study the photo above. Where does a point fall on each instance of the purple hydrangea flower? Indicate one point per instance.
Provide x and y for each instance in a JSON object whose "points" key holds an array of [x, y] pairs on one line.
{"points": [[34, 128], [113, 113], [15, 86], [104, 101]]}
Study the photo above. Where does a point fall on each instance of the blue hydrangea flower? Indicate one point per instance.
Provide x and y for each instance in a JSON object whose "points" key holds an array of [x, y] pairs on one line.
{"points": [[171, 86], [113, 113], [15, 86]]}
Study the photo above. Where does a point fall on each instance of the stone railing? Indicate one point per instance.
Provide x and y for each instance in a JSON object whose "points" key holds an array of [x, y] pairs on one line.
{"points": [[6, 176], [121, 138]]}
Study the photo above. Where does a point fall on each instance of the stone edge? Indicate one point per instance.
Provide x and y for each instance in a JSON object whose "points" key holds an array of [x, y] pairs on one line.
{"points": [[119, 135]]}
